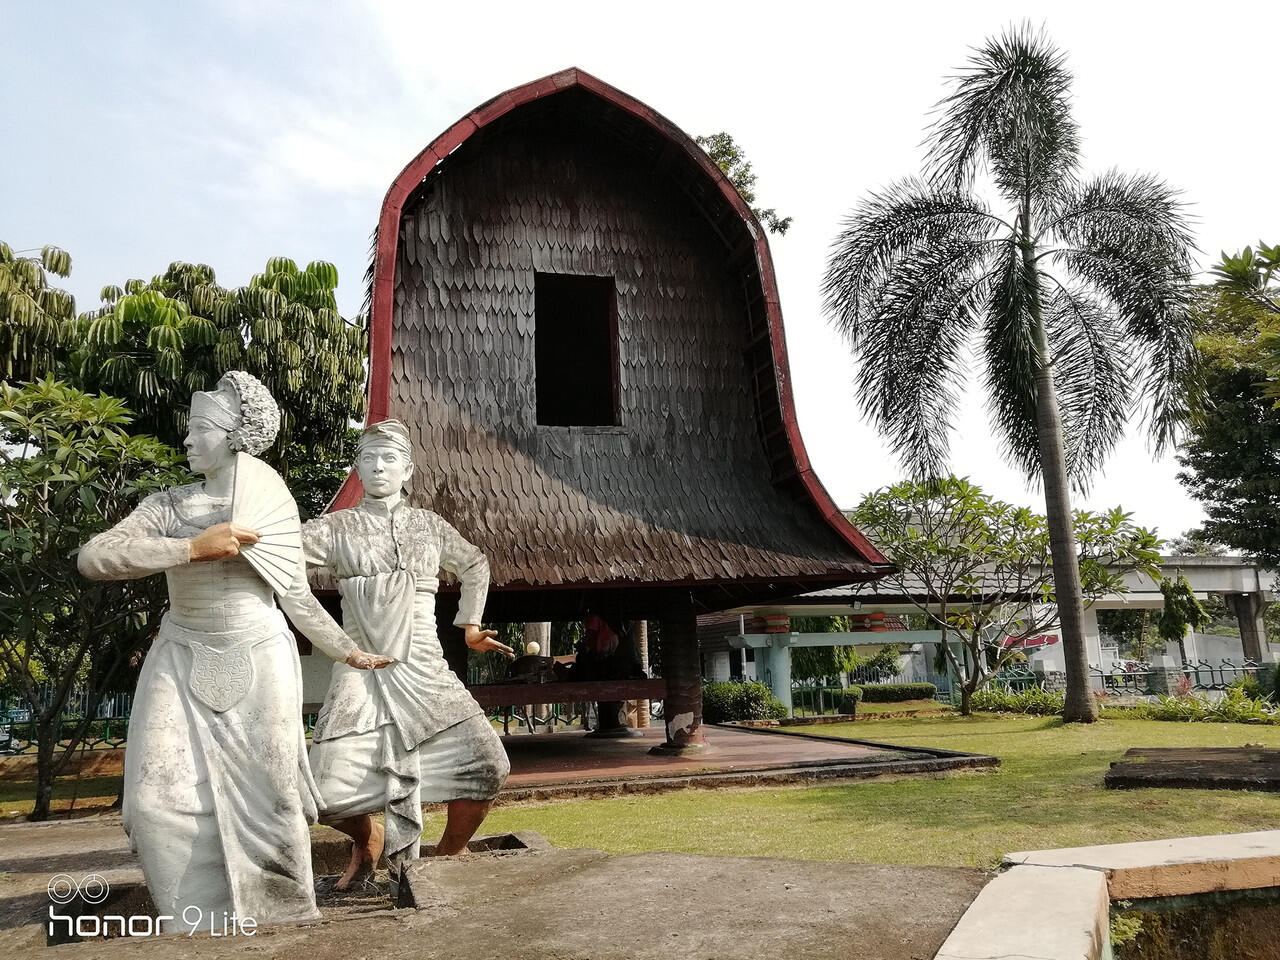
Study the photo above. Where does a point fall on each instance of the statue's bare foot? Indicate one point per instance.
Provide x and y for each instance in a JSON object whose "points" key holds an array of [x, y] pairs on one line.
{"points": [[364, 857]]}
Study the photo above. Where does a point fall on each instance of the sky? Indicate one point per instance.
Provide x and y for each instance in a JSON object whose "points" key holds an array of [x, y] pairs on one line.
{"points": [[226, 133]]}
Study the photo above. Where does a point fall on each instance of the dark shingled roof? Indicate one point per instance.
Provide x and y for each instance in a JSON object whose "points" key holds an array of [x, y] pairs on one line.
{"points": [[705, 485]]}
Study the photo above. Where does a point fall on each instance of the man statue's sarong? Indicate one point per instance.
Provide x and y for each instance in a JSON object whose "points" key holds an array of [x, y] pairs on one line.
{"points": [[410, 733]]}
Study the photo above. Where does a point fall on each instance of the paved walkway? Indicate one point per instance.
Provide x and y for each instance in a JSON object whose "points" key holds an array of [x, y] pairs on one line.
{"points": [[534, 905]]}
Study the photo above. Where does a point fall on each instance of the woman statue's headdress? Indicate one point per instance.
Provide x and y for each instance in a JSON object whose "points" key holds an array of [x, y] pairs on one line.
{"points": [[243, 406]]}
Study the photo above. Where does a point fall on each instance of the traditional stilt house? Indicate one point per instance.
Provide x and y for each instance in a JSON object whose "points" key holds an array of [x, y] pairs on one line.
{"points": [[576, 312]]}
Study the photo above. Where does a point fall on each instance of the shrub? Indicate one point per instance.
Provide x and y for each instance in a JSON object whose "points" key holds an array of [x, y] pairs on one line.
{"points": [[726, 701], [1235, 707], [1033, 700], [1250, 686], [1267, 679], [897, 692], [849, 700]]}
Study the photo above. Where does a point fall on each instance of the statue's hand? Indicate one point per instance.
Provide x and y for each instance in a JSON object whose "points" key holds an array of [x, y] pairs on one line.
{"points": [[220, 541], [484, 640], [367, 661]]}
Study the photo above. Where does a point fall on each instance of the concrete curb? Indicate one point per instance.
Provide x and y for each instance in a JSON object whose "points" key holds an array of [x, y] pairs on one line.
{"points": [[1173, 868], [1069, 905], [1069, 892], [763, 777]]}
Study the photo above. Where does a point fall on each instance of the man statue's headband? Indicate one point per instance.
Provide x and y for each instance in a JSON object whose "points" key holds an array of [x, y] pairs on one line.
{"points": [[387, 431]]}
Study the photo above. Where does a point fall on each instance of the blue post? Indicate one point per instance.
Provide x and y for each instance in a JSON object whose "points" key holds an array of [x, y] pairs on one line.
{"points": [[780, 668]]}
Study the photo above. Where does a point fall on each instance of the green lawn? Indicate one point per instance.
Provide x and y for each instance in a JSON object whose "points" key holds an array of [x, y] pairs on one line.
{"points": [[1047, 793]]}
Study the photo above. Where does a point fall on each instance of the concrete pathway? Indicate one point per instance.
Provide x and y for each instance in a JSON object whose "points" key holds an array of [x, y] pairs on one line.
{"points": [[557, 905]]}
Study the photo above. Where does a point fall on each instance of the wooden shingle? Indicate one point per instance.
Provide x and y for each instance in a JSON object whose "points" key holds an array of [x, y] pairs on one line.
{"points": [[703, 486]]}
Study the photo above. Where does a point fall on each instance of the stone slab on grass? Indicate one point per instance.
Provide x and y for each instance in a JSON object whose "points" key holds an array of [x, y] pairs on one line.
{"points": [[1204, 768]]}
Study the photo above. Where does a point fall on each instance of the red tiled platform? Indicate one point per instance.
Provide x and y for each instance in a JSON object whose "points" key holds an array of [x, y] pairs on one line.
{"points": [[548, 764]]}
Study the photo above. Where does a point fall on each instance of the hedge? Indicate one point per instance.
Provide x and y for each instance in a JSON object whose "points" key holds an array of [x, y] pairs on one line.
{"points": [[897, 692], [849, 701], [725, 701]]}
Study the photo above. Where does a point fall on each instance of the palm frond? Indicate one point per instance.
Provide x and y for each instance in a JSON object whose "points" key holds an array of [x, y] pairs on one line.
{"points": [[1128, 237], [1010, 113], [889, 228], [910, 349], [1012, 362], [1091, 378]]}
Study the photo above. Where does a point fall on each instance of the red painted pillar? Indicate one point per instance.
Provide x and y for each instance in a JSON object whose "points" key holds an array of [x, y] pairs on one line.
{"points": [[682, 671]]}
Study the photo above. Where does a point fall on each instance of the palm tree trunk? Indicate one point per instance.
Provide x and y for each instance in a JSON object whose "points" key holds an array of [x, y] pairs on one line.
{"points": [[1080, 706]]}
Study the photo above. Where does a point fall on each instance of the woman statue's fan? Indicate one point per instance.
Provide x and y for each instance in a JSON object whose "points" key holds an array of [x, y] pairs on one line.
{"points": [[262, 502]]}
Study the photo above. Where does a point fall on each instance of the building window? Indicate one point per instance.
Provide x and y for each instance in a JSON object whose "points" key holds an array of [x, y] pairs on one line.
{"points": [[576, 350]]}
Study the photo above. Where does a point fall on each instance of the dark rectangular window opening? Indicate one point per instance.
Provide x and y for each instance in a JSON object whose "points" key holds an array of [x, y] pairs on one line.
{"points": [[576, 350]]}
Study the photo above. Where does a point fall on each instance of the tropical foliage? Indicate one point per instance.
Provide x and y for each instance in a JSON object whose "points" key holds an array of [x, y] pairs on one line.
{"points": [[979, 569], [828, 662], [1181, 611], [1231, 456], [1070, 290], [69, 468], [728, 156], [154, 344], [36, 320]]}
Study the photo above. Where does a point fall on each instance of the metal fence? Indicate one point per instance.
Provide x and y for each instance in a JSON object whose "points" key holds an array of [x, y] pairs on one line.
{"points": [[811, 698], [109, 726], [815, 699], [1124, 677], [1218, 676]]}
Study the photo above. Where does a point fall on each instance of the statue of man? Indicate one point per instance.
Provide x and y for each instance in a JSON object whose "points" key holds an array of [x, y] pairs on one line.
{"points": [[218, 794], [410, 734]]}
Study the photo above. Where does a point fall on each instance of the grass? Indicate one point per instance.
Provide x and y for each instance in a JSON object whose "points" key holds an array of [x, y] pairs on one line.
{"points": [[1047, 793], [90, 795], [904, 706]]}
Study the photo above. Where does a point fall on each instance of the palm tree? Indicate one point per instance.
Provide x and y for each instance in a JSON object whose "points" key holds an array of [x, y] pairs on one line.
{"points": [[1073, 301]]}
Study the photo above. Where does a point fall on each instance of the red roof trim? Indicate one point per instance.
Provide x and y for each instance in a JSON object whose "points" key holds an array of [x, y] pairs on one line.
{"points": [[421, 166]]}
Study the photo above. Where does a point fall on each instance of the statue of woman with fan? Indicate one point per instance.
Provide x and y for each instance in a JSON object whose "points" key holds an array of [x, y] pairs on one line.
{"points": [[218, 793]]}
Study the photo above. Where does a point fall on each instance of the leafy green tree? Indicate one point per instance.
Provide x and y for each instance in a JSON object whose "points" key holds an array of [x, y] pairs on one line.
{"points": [[1075, 296], [154, 344], [980, 569], [1230, 458], [69, 468], [728, 156], [316, 473], [1181, 610], [820, 663], [1131, 627], [36, 320], [1249, 276], [1195, 543]]}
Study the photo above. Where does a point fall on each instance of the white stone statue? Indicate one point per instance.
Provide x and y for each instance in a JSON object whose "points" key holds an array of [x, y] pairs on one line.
{"points": [[218, 793], [410, 734]]}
